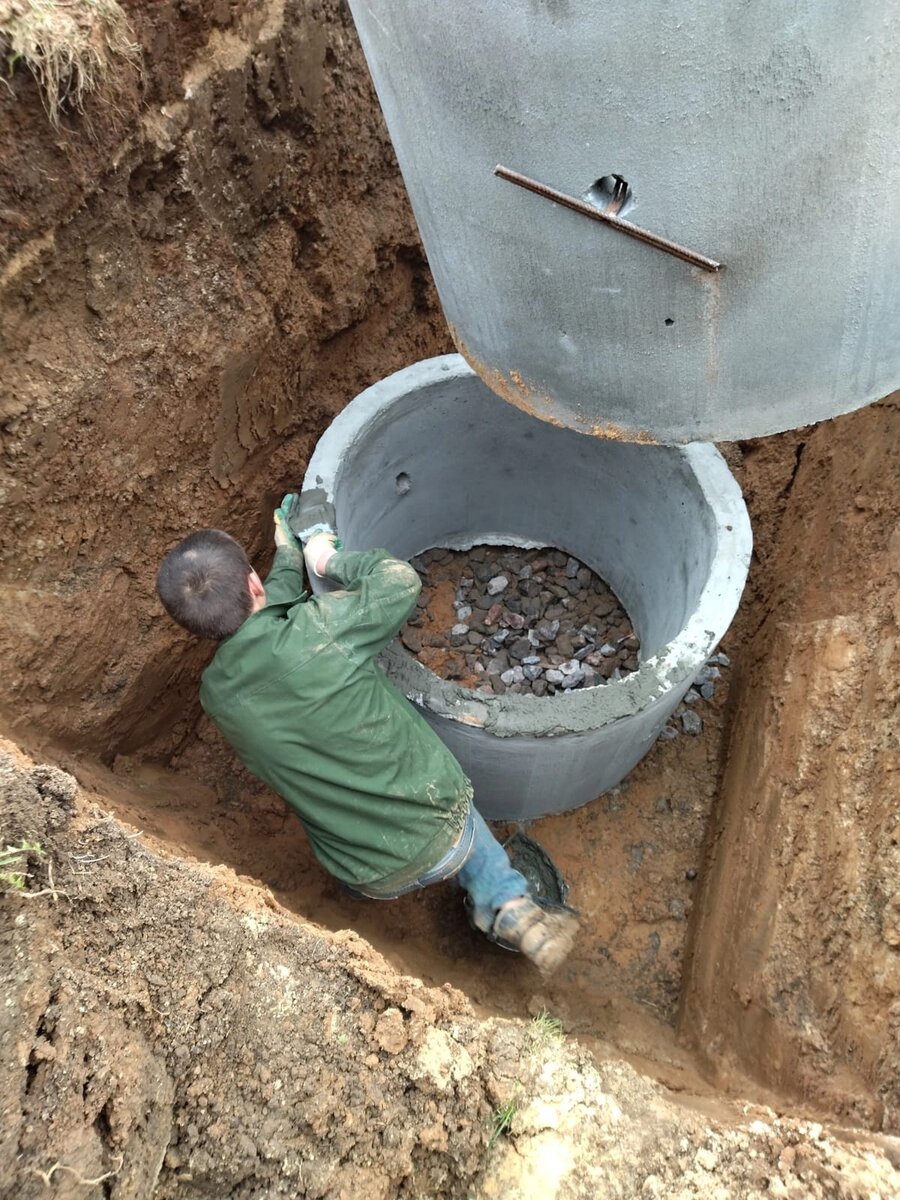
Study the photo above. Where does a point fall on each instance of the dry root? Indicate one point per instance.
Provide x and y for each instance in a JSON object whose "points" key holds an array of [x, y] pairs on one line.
{"points": [[70, 46], [46, 1177]]}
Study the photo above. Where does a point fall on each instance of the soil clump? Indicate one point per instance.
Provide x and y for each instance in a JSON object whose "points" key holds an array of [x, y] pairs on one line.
{"points": [[533, 622], [169, 1030]]}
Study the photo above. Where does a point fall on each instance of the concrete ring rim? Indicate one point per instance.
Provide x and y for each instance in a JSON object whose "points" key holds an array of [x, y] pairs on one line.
{"points": [[672, 669]]}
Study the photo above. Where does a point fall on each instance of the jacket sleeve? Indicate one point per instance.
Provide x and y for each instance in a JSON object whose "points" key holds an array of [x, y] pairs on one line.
{"points": [[285, 580], [381, 592]]}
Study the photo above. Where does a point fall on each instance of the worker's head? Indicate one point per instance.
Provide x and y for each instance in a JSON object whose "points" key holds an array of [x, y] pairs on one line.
{"points": [[208, 585]]}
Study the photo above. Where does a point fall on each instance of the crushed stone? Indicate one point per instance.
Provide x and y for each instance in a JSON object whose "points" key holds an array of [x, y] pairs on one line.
{"points": [[533, 622]]}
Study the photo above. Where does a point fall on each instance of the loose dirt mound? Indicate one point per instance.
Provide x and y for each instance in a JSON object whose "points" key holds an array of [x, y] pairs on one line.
{"points": [[168, 1029]]}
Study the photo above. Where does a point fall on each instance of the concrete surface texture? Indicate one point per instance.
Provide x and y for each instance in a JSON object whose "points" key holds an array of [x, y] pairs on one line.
{"points": [[758, 135], [431, 456]]}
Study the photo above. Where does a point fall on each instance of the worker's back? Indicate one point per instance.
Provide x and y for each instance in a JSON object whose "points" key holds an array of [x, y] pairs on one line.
{"points": [[298, 695]]}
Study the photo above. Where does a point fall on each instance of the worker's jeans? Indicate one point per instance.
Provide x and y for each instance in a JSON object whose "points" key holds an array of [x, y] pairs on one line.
{"points": [[487, 875], [481, 866]]}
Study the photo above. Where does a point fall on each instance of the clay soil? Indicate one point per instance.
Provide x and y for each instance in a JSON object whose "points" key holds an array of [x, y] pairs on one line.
{"points": [[168, 1030], [194, 280]]}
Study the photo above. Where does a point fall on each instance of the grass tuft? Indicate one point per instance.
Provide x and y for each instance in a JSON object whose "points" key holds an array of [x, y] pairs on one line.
{"points": [[70, 46], [502, 1120], [14, 864], [545, 1028]]}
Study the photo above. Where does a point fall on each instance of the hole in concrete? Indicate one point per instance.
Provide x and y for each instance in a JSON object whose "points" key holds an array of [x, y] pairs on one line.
{"points": [[612, 193], [669, 321], [402, 483]]}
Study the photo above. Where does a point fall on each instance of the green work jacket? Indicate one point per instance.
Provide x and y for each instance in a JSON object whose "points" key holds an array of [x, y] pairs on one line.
{"points": [[297, 693]]}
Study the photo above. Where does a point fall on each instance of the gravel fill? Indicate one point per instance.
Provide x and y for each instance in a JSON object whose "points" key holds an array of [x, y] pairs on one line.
{"points": [[531, 622], [685, 719]]}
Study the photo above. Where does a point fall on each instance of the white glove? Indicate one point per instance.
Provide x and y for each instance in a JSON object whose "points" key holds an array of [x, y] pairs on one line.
{"points": [[317, 552]]}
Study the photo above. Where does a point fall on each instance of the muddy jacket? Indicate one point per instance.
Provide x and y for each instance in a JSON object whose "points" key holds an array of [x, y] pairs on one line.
{"points": [[297, 693]]}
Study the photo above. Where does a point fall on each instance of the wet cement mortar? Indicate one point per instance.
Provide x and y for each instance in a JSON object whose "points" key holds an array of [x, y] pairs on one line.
{"points": [[223, 261]]}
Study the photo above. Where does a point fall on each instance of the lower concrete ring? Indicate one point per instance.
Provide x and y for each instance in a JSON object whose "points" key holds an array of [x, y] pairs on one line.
{"points": [[431, 457]]}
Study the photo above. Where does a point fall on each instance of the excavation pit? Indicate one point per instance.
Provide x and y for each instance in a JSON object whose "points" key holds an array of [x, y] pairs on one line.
{"points": [[181, 329], [430, 457]]}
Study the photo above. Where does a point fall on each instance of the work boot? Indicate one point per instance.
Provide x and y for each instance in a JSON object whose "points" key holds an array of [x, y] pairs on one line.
{"points": [[544, 935]]}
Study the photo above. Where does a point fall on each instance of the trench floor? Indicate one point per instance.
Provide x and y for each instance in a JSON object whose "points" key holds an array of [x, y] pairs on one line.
{"points": [[632, 858]]}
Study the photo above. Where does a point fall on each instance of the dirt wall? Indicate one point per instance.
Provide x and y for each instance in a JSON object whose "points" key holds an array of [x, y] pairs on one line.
{"points": [[197, 274], [794, 972], [167, 1030]]}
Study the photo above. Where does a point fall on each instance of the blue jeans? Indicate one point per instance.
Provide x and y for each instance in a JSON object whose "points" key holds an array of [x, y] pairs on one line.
{"points": [[481, 866], [488, 876]]}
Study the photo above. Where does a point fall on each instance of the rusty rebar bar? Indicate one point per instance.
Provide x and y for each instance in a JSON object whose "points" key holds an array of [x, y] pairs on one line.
{"points": [[608, 218]]}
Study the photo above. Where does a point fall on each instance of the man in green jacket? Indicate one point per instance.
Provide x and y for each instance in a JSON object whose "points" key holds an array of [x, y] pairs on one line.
{"points": [[295, 689]]}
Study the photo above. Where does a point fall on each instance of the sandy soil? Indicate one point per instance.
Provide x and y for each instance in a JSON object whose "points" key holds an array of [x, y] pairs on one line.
{"points": [[795, 956], [191, 291]]}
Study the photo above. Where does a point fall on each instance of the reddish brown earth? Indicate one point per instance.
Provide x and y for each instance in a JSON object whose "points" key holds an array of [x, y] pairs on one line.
{"points": [[187, 301], [192, 286], [795, 943], [169, 1030]]}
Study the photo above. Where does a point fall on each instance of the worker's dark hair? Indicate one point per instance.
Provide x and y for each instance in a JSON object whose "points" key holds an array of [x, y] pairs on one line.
{"points": [[203, 584]]}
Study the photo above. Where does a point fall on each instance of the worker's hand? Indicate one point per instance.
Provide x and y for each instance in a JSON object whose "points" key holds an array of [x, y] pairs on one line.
{"points": [[310, 513], [318, 550], [284, 536]]}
